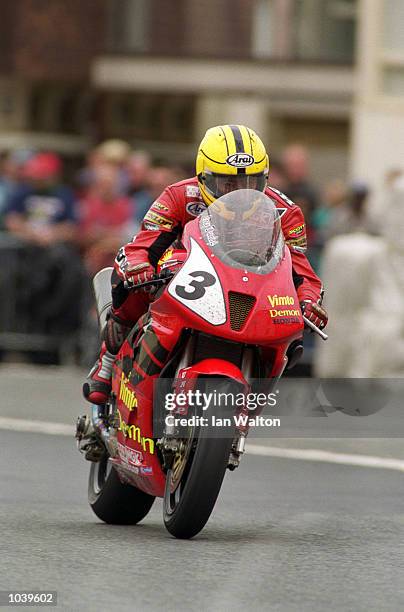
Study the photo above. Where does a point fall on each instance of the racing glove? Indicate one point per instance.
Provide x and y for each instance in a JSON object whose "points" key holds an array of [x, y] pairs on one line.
{"points": [[139, 273], [133, 268], [315, 313]]}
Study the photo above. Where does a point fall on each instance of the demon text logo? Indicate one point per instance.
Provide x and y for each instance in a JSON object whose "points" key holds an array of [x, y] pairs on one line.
{"points": [[133, 432], [283, 313]]}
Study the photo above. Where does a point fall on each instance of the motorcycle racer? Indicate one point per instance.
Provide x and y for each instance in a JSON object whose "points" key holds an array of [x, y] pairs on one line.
{"points": [[230, 157]]}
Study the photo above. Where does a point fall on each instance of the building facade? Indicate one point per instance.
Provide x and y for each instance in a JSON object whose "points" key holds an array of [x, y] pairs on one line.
{"points": [[46, 51], [377, 146], [284, 67], [326, 73]]}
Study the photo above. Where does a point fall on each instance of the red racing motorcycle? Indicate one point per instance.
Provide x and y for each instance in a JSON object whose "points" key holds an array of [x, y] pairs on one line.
{"points": [[225, 314]]}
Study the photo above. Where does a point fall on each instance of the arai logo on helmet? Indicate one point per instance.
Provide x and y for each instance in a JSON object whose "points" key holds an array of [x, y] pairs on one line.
{"points": [[240, 160]]}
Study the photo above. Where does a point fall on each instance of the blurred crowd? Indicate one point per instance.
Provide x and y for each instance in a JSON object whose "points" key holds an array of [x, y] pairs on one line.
{"points": [[101, 207], [331, 209], [57, 233]]}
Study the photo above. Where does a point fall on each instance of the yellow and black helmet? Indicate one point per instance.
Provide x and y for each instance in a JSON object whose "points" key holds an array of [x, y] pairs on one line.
{"points": [[230, 157]]}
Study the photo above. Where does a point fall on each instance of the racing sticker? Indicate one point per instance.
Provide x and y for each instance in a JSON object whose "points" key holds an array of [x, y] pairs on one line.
{"points": [[197, 287], [146, 470], [297, 242], [192, 191], [287, 315], [130, 455], [159, 220], [152, 227], [133, 432], [165, 257], [159, 206], [297, 231], [196, 208], [126, 394]]}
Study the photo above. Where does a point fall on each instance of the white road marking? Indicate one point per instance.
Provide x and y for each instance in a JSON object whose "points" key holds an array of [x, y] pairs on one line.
{"points": [[45, 427], [300, 454], [309, 454]]}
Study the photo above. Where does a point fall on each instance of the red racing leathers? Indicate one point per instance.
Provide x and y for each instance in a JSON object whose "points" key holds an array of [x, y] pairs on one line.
{"points": [[164, 223]]}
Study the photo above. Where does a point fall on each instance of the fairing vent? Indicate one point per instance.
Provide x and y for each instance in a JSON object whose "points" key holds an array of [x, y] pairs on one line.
{"points": [[240, 306], [214, 346]]}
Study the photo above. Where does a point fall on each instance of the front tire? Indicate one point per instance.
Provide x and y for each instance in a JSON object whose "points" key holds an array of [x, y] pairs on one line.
{"points": [[188, 508], [111, 500]]}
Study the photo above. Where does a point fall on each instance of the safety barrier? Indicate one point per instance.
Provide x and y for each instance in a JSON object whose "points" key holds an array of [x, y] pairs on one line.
{"points": [[22, 329]]}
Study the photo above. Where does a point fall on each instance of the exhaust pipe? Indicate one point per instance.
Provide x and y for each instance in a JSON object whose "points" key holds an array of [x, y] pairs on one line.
{"points": [[107, 434]]}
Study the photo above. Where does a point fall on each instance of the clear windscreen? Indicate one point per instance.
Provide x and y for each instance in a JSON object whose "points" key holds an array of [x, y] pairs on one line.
{"points": [[219, 185], [243, 229]]}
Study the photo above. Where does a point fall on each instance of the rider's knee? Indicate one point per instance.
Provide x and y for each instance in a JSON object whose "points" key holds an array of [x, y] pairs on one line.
{"points": [[115, 332]]}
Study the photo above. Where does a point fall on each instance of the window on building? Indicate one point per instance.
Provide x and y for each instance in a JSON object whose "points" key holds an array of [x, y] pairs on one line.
{"points": [[325, 30], [150, 116], [59, 108], [393, 48], [263, 23], [129, 25], [393, 17], [308, 30]]}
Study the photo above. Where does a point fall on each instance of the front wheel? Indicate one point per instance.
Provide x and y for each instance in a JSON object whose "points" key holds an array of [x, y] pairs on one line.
{"points": [[111, 500], [188, 503]]}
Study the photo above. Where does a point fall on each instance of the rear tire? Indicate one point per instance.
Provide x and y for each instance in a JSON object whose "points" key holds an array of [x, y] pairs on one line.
{"points": [[111, 500]]}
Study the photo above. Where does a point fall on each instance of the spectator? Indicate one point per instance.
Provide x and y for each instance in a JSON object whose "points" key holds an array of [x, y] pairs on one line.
{"points": [[85, 175], [116, 152], [160, 177], [139, 169], [11, 176], [351, 216], [179, 173], [40, 213], [42, 210], [277, 176], [105, 218], [299, 188], [113, 152], [366, 304], [334, 197]]}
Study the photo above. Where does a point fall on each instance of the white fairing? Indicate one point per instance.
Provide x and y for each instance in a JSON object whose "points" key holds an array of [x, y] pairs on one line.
{"points": [[187, 285], [102, 292]]}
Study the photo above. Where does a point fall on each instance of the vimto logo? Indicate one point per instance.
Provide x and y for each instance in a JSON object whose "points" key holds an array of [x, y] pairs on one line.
{"points": [[240, 160]]}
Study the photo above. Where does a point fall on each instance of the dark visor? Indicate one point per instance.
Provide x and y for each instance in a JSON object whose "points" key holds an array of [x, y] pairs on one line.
{"points": [[220, 184]]}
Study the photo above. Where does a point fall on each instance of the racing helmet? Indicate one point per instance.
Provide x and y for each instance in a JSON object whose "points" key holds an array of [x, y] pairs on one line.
{"points": [[230, 157]]}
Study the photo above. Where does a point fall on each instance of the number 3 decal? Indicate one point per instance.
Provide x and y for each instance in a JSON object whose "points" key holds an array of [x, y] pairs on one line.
{"points": [[198, 286]]}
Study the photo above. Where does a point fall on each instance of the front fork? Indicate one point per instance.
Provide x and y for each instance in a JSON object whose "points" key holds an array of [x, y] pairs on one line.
{"points": [[238, 446], [170, 444]]}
